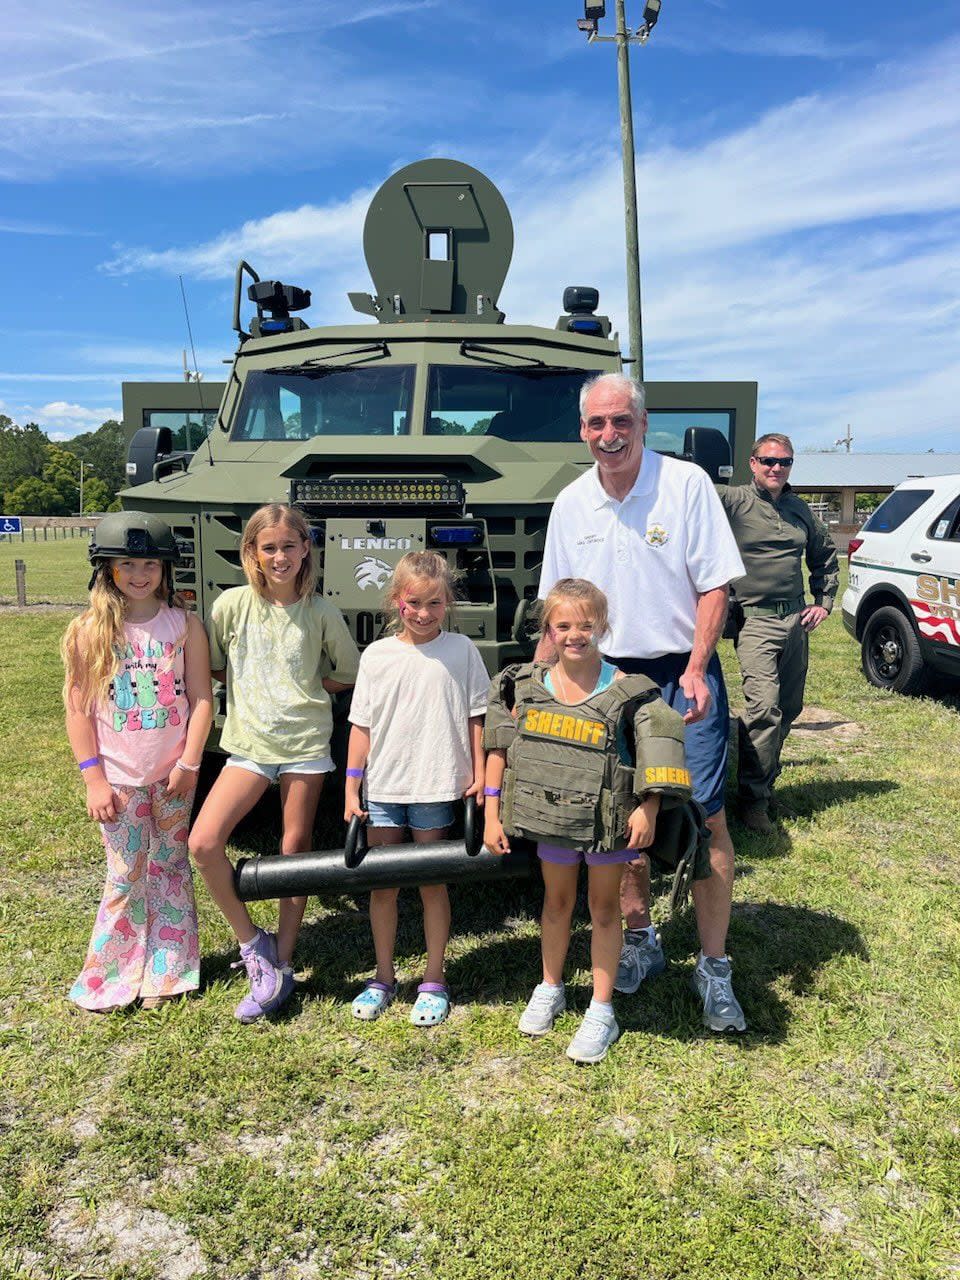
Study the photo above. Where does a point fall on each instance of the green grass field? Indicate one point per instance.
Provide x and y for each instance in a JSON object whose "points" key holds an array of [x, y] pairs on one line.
{"points": [[824, 1143], [57, 571]]}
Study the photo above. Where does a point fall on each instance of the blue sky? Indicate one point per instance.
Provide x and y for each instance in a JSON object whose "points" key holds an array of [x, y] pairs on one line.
{"points": [[799, 186]]}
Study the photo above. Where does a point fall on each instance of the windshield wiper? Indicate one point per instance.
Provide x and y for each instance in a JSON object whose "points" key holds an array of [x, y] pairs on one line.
{"points": [[374, 351], [475, 349]]}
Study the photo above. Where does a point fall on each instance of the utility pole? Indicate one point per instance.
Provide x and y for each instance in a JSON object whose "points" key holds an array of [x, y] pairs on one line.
{"points": [[81, 487], [623, 39], [846, 440], [634, 311]]}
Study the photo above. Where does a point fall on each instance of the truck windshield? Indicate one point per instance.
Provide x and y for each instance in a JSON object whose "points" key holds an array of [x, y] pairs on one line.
{"points": [[514, 404], [299, 404]]}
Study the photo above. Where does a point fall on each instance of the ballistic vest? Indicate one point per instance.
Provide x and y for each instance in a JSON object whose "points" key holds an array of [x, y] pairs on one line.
{"points": [[565, 781]]}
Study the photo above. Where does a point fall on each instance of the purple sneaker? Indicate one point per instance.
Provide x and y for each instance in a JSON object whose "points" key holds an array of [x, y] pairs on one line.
{"points": [[270, 985]]}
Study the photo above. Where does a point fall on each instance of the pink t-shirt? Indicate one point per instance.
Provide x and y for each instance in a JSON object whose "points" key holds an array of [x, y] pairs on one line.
{"points": [[142, 725]]}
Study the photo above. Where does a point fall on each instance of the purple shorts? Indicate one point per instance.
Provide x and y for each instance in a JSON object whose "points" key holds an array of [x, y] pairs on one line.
{"points": [[573, 857]]}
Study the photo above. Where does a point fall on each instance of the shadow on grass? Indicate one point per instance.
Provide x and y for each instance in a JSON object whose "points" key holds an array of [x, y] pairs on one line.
{"points": [[806, 800], [337, 945], [769, 943]]}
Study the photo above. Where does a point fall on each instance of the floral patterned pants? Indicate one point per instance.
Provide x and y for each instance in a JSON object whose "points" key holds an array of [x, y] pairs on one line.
{"points": [[144, 940]]}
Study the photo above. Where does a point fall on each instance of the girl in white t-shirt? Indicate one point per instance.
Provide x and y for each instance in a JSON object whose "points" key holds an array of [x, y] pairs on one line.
{"points": [[417, 717]]}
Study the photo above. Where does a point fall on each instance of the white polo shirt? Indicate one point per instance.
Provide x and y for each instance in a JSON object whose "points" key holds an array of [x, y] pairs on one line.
{"points": [[652, 554]]}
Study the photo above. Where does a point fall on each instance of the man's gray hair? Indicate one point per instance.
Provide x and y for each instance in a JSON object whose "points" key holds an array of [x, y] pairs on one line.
{"points": [[616, 382]]}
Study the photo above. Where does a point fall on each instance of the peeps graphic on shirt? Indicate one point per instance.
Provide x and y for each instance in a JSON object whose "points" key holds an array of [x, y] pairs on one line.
{"points": [[144, 693]]}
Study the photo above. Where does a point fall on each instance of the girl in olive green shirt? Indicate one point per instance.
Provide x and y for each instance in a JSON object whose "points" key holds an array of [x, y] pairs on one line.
{"points": [[282, 650]]}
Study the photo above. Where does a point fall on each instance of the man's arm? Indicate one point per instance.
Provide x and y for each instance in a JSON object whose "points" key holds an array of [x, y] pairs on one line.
{"points": [[711, 615], [821, 556]]}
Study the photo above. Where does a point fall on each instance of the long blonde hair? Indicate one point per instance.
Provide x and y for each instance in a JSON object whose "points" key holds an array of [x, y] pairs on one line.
{"points": [[416, 566], [577, 591], [93, 643], [277, 513]]}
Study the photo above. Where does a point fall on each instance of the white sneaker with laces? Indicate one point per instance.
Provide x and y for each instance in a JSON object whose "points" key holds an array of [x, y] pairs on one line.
{"points": [[596, 1033], [543, 1008], [713, 981]]}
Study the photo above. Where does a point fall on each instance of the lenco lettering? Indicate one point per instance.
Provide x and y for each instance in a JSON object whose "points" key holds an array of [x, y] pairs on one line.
{"points": [[376, 544]]}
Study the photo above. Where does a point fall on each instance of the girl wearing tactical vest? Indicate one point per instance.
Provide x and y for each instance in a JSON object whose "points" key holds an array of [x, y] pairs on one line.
{"points": [[283, 651], [417, 716], [558, 773], [139, 706]]}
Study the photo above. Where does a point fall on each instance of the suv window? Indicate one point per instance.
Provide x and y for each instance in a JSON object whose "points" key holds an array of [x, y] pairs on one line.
{"points": [[892, 512], [946, 527]]}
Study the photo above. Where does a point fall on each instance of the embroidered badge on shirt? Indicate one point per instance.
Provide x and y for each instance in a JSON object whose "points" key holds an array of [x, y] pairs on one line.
{"points": [[656, 535]]}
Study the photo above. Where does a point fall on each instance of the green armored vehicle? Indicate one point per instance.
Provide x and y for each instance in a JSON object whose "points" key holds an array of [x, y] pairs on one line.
{"points": [[442, 426]]}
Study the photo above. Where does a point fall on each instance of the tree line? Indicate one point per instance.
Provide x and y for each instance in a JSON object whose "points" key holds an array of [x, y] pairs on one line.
{"points": [[41, 477]]}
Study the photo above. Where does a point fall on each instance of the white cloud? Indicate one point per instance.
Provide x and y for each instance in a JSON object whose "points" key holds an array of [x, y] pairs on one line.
{"points": [[733, 36], [814, 250], [9, 376], [60, 413], [309, 236], [104, 84], [60, 419]]}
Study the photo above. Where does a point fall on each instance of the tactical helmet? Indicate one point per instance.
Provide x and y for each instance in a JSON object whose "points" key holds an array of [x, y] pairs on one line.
{"points": [[133, 533]]}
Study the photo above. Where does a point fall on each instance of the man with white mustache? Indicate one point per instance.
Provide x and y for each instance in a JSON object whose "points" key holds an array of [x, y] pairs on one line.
{"points": [[651, 532]]}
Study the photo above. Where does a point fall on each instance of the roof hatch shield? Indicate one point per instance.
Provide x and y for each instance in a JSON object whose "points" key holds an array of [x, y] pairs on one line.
{"points": [[438, 239]]}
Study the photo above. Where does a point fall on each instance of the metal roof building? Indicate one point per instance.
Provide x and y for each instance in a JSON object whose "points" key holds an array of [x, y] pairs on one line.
{"points": [[867, 472], [847, 474]]}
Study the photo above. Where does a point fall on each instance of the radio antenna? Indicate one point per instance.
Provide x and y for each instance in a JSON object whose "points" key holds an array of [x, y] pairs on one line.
{"points": [[196, 375]]}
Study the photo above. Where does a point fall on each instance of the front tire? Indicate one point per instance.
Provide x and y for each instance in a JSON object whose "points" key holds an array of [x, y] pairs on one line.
{"points": [[890, 653]]}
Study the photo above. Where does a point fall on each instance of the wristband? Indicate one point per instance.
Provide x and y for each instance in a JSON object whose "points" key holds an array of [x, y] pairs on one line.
{"points": [[491, 791], [354, 773], [190, 768], [88, 764]]}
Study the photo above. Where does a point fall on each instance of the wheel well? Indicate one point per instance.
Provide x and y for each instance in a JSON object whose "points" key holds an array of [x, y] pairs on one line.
{"points": [[878, 600]]}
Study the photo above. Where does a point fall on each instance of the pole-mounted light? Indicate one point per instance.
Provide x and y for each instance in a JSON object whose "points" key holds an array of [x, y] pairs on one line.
{"points": [[589, 25]]}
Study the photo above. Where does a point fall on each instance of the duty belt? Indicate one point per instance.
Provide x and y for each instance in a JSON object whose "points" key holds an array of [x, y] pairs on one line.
{"points": [[775, 609]]}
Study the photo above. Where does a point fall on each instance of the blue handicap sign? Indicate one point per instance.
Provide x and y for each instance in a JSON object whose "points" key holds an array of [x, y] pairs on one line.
{"points": [[11, 524]]}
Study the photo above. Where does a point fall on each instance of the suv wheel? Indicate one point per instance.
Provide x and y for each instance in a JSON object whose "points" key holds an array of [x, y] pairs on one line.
{"points": [[890, 652]]}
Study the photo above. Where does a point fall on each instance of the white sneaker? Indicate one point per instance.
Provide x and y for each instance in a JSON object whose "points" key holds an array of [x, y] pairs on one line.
{"points": [[543, 1008], [596, 1033]]}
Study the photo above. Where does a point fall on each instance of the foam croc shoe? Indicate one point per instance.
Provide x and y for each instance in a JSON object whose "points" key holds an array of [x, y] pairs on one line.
{"points": [[431, 1006], [372, 1000]]}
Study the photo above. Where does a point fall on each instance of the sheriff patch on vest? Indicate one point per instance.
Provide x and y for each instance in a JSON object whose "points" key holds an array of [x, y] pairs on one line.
{"points": [[575, 773]]}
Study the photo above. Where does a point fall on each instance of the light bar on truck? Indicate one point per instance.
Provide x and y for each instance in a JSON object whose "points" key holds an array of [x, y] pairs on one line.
{"points": [[361, 491], [454, 535]]}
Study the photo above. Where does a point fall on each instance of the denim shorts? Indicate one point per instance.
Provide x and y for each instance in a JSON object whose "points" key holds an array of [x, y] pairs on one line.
{"points": [[573, 857], [706, 742], [273, 771], [418, 817]]}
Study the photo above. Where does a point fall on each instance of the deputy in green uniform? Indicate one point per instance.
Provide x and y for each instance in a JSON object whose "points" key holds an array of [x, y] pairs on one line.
{"points": [[776, 532]]}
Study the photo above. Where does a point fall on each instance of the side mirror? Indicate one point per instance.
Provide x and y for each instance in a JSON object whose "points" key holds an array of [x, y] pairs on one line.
{"points": [[147, 447], [709, 449], [152, 456]]}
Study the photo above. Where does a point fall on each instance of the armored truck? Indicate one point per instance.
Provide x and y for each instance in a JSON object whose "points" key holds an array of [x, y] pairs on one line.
{"points": [[439, 426]]}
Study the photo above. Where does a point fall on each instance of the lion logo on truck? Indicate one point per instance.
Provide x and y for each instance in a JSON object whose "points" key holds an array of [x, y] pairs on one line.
{"points": [[371, 572]]}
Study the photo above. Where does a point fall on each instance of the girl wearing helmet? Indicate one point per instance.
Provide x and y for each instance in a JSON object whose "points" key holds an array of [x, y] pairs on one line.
{"points": [[138, 710]]}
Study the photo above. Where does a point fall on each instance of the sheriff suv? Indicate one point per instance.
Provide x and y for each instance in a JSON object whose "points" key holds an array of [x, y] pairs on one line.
{"points": [[903, 601]]}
